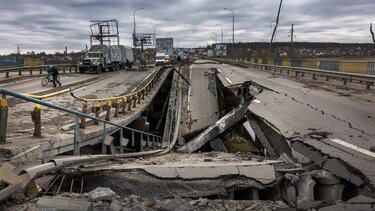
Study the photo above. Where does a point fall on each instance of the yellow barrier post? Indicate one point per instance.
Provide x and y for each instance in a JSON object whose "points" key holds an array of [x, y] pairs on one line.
{"points": [[143, 93], [108, 108], [117, 105], [37, 119], [130, 103], [134, 98], [123, 105], [97, 112], [3, 118], [82, 125]]}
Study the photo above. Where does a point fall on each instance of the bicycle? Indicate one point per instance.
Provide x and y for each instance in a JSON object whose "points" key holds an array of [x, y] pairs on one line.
{"points": [[48, 79]]}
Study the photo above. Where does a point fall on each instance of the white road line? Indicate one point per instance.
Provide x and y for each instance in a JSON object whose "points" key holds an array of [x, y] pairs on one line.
{"points": [[230, 82], [218, 70], [354, 147], [256, 101]]}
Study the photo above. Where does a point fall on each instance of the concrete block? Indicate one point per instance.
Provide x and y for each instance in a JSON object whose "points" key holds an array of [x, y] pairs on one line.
{"points": [[47, 203], [101, 193], [124, 142]]}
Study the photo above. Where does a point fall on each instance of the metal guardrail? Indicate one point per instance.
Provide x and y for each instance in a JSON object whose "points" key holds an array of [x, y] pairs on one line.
{"points": [[62, 68], [59, 163], [129, 100], [4, 111], [345, 77]]}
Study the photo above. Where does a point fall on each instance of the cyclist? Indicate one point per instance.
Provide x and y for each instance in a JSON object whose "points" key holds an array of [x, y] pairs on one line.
{"points": [[54, 72]]}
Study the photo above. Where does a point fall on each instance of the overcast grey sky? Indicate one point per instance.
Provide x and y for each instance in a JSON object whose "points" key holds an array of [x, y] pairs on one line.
{"points": [[50, 25]]}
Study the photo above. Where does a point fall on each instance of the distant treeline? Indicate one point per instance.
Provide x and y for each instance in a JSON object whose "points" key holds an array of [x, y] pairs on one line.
{"points": [[300, 45]]}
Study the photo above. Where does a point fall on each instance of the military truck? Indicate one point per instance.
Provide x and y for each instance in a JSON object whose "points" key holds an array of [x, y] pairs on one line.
{"points": [[102, 57]]}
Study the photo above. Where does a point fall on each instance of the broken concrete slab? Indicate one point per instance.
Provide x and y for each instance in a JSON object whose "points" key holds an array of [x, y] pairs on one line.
{"points": [[217, 145], [202, 103], [48, 203], [162, 172], [215, 129], [262, 173]]}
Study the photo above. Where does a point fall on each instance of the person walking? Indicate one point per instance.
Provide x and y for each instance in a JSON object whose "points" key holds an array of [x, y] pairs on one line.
{"points": [[54, 72]]}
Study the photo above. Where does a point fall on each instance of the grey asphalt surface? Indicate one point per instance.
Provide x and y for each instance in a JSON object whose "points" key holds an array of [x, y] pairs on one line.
{"points": [[202, 102], [33, 84], [297, 109], [108, 85]]}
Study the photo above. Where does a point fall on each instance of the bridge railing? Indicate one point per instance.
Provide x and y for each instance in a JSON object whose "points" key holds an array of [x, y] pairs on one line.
{"points": [[124, 102], [39, 68], [327, 74], [77, 114]]}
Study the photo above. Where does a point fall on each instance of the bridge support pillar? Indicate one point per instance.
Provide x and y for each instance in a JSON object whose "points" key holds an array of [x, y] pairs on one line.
{"points": [[3, 119]]}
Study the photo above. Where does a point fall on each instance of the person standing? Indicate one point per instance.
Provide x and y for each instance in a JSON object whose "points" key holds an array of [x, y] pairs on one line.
{"points": [[54, 72]]}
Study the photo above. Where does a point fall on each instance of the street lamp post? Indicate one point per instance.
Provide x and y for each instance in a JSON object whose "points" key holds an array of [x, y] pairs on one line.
{"points": [[221, 31], [232, 23], [134, 30], [215, 40]]}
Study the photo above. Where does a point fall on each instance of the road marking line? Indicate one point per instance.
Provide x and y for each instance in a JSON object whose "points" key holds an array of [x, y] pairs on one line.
{"points": [[256, 101], [218, 70], [230, 82], [354, 147]]}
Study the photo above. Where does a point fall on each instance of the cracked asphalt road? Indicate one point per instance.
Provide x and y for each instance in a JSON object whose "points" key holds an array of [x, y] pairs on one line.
{"points": [[300, 108]]}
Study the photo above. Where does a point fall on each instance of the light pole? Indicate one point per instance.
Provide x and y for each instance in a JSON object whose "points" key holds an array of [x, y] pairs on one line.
{"points": [[215, 40], [221, 31], [232, 23], [134, 31], [177, 45], [155, 32]]}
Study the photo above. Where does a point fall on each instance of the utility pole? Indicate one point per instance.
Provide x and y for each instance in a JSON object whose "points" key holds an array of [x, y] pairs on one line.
{"points": [[372, 34], [274, 30], [291, 42], [232, 23]]}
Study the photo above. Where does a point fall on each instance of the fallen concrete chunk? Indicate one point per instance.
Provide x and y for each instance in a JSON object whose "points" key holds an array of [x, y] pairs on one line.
{"points": [[216, 129], [101, 193], [47, 203], [361, 200], [325, 177], [177, 204]]}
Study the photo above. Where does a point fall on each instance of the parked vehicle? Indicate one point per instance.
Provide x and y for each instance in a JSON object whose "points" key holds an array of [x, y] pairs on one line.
{"points": [[167, 59], [102, 57], [160, 59]]}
